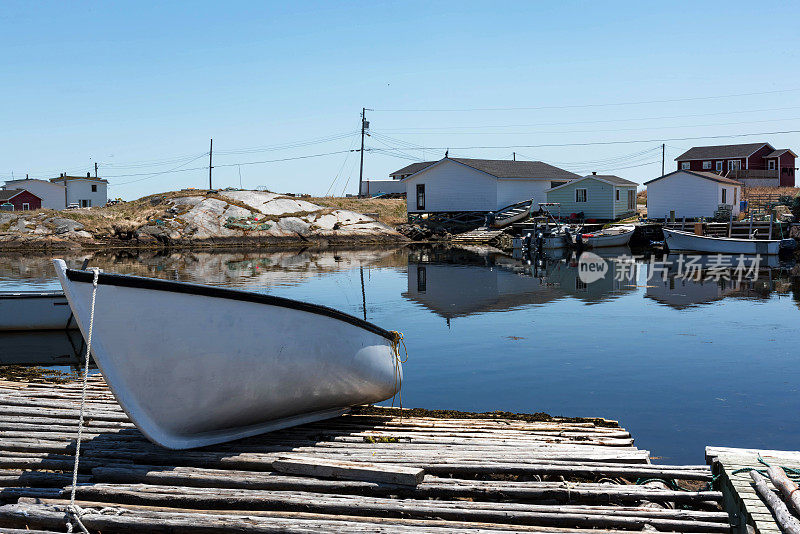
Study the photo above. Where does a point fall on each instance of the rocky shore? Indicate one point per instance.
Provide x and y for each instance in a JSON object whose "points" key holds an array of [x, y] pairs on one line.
{"points": [[194, 219]]}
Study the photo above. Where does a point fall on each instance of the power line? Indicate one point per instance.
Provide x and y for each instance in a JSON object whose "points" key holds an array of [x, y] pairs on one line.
{"points": [[631, 141], [582, 106], [599, 121], [641, 128]]}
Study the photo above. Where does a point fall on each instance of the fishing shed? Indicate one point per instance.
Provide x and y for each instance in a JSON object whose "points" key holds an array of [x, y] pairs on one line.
{"points": [[597, 196], [691, 194]]}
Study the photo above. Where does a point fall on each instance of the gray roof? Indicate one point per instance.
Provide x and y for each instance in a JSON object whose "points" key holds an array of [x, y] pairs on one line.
{"points": [[721, 151], [7, 194], [613, 179], [701, 174], [776, 153], [501, 168]]}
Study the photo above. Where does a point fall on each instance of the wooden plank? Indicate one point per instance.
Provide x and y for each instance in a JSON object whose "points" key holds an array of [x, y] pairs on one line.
{"points": [[365, 471]]}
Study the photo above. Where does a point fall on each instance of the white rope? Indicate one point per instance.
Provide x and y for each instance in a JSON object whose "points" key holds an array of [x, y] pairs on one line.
{"points": [[75, 512]]}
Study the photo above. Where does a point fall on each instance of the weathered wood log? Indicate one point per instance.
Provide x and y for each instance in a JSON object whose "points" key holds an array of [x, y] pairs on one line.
{"points": [[492, 512], [364, 471], [788, 523], [786, 486]]}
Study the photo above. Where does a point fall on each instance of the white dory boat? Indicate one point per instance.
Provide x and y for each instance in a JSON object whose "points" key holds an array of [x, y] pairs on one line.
{"points": [[195, 365], [34, 310], [614, 236], [679, 241]]}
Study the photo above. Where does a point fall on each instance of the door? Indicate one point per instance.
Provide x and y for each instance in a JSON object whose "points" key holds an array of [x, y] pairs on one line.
{"points": [[420, 197], [631, 199]]}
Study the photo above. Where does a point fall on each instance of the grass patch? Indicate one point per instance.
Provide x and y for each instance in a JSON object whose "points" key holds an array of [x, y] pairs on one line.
{"points": [[21, 373]]}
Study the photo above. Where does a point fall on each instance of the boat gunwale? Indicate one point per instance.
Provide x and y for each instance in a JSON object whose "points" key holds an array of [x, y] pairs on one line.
{"points": [[31, 294], [186, 288], [736, 239]]}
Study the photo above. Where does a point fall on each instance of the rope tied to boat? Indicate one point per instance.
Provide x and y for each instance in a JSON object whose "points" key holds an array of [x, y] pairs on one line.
{"points": [[396, 341], [75, 512]]}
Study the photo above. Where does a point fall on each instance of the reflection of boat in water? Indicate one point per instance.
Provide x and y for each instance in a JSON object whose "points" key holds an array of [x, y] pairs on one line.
{"points": [[47, 348], [682, 281], [34, 310], [460, 283]]}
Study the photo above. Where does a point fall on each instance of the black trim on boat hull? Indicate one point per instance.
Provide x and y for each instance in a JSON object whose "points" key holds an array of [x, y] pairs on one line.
{"points": [[223, 293], [31, 294]]}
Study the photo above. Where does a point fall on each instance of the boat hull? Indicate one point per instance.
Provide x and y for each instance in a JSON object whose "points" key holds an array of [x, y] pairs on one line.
{"points": [[196, 365], [678, 241], [34, 310], [618, 240]]}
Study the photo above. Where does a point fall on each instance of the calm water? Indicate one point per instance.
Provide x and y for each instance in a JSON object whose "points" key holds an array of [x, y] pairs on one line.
{"points": [[682, 364]]}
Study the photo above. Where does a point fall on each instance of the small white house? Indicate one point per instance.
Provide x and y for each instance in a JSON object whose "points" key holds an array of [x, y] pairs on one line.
{"points": [[691, 194], [477, 185], [52, 195], [377, 187], [85, 191]]}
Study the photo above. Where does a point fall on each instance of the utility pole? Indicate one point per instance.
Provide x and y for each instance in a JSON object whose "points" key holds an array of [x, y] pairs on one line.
{"points": [[514, 156], [662, 158], [364, 128], [210, 150], [95, 169]]}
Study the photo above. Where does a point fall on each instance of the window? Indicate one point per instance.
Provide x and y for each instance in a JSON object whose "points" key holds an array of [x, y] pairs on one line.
{"points": [[719, 166], [724, 194], [26, 206], [771, 165], [734, 164], [631, 199], [617, 195], [94, 189], [706, 165], [580, 195], [422, 281], [86, 203], [685, 165], [420, 196], [556, 184]]}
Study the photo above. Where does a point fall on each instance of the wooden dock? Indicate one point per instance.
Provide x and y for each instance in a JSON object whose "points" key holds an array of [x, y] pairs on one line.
{"points": [[740, 499], [482, 473]]}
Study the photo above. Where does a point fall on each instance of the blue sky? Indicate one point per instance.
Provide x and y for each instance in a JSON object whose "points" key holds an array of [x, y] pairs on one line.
{"points": [[141, 87]]}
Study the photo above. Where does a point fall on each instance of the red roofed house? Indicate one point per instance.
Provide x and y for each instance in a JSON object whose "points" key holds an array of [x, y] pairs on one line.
{"points": [[753, 164], [21, 199]]}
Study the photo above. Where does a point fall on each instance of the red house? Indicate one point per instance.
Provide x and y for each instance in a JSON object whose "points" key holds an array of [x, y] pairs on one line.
{"points": [[21, 199], [750, 161]]}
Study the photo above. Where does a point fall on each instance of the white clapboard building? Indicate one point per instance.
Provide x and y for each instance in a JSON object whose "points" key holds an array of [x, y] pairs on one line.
{"points": [[458, 185], [691, 194]]}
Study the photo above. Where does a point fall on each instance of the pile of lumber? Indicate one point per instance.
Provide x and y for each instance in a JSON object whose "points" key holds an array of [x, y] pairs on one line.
{"points": [[371, 470]]}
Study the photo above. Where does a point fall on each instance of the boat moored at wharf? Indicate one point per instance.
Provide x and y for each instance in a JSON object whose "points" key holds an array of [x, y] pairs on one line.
{"points": [[196, 365]]}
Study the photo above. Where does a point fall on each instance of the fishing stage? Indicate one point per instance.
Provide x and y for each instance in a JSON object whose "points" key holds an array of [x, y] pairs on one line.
{"points": [[369, 471]]}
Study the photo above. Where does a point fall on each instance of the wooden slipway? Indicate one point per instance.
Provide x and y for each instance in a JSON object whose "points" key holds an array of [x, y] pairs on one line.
{"points": [[361, 472]]}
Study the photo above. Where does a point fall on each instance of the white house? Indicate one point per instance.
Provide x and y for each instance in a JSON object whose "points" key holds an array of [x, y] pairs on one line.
{"points": [[85, 191], [476, 185], [52, 195], [58, 193], [691, 194]]}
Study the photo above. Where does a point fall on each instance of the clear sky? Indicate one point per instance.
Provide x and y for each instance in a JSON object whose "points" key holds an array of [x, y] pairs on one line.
{"points": [[140, 87]]}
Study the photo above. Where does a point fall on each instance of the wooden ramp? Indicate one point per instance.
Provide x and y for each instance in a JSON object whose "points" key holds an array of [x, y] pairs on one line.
{"points": [[482, 473], [741, 501], [479, 236]]}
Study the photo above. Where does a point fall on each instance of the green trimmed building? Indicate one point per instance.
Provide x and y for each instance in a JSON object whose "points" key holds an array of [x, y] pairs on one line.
{"points": [[603, 197]]}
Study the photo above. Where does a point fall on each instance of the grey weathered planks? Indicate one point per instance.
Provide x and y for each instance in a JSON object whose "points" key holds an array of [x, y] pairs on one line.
{"points": [[484, 474]]}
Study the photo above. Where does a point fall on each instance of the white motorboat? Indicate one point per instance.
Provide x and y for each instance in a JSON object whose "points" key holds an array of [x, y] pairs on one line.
{"points": [[614, 236], [34, 310], [680, 241], [196, 365]]}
